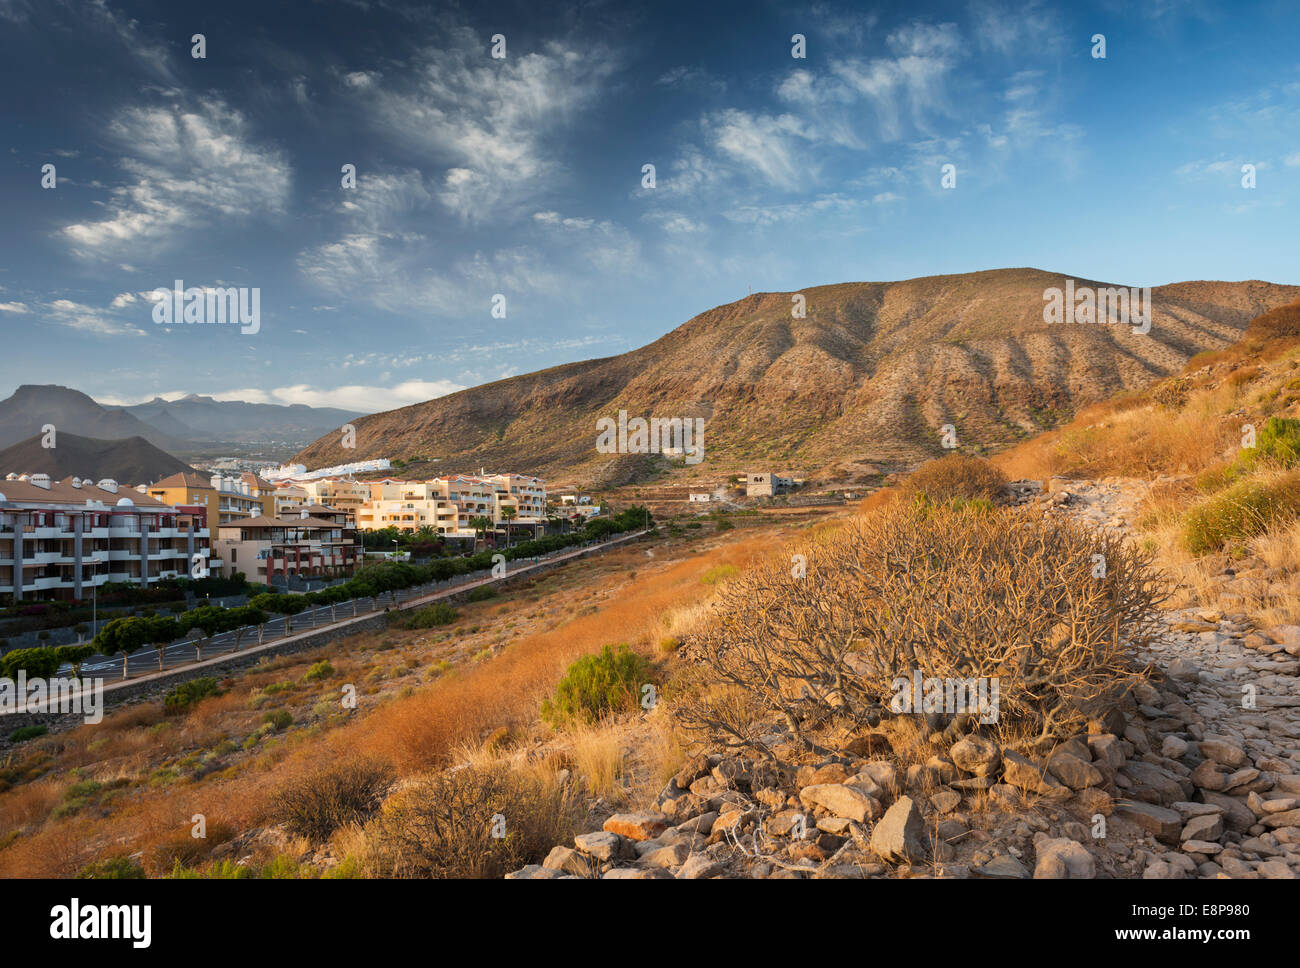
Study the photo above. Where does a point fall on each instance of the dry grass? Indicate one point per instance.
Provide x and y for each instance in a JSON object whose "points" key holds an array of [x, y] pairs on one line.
{"points": [[414, 729]]}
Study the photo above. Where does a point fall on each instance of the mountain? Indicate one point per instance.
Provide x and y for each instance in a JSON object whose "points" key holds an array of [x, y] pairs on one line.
{"points": [[871, 374], [33, 406], [206, 419], [130, 461]]}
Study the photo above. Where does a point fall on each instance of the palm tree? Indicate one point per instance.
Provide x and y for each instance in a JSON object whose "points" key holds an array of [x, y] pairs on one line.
{"points": [[480, 525], [508, 514]]}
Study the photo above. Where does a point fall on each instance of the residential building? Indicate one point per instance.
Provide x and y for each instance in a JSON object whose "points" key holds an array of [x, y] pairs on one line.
{"points": [[228, 499], [288, 498], [450, 504], [339, 493], [768, 484], [316, 542], [61, 539]]}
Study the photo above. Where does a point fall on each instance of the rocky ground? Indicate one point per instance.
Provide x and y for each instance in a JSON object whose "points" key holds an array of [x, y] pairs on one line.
{"points": [[1196, 775]]}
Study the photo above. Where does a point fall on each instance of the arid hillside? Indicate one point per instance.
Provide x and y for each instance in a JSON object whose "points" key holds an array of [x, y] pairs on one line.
{"points": [[869, 374]]}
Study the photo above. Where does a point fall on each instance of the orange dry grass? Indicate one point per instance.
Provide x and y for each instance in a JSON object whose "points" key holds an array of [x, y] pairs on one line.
{"points": [[413, 733]]}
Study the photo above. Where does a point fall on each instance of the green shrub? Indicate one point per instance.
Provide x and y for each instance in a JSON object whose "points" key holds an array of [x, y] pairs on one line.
{"points": [[481, 594], [41, 663], [114, 869], [597, 685], [431, 616], [182, 697], [278, 719], [1278, 442], [318, 671], [321, 802], [1244, 510], [718, 573], [27, 732]]}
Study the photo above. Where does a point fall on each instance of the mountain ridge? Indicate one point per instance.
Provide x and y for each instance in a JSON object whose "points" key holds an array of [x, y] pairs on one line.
{"points": [[870, 374]]}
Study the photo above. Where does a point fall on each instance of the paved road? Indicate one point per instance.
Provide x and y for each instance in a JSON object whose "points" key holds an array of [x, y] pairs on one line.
{"points": [[182, 652]]}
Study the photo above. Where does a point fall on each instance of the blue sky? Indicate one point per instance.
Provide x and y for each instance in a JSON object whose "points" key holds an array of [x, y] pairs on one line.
{"points": [[523, 176]]}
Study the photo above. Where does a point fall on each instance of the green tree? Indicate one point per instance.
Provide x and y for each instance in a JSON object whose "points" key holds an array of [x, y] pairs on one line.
{"points": [[159, 632], [75, 656], [481, 525], [203, 623], [40, 663], [120, 636], [508, 514]]}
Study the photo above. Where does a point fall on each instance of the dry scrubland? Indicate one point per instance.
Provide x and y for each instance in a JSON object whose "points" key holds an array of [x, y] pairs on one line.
{"points": [[429, 699], [772, 645], [1211, 510]]}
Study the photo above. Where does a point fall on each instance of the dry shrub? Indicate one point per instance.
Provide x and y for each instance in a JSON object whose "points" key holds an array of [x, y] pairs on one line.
{"points": [[956, 477], [443, 826], [319, 803], [183, 848], [955, 594]]}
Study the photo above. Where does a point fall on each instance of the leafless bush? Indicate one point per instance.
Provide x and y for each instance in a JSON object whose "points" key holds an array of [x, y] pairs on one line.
{"points": [[956, 594], [315, 805], [956, 477], [472, 822]]}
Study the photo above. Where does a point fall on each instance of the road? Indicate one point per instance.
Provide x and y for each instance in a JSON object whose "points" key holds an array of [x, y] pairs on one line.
{"points": [[181, 652]]}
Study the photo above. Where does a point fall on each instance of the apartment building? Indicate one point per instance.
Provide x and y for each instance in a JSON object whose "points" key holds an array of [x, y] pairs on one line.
{"points": [[339, 493], [58, 540], [527, 495], [288, 499], [228, 499], [450, 504], [315, 542]]}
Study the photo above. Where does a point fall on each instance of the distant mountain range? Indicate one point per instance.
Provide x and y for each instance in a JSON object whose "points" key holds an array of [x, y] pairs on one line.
{"points": [[871, 373], [33, 407], [179, 426], [202, 418], [130, 461]]}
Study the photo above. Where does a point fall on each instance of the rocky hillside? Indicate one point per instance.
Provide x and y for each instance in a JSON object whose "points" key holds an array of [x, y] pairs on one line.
{"points": [[870, 374], [1182, 780]]}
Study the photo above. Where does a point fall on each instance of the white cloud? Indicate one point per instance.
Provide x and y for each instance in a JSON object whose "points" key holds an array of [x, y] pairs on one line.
{"points": [[358, 397], [88, 319], [187, 166], [494, 123], [774, 146], [14, 307]]}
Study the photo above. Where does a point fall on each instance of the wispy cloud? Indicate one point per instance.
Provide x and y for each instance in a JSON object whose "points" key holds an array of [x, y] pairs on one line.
{"points": [[186, 167]]}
